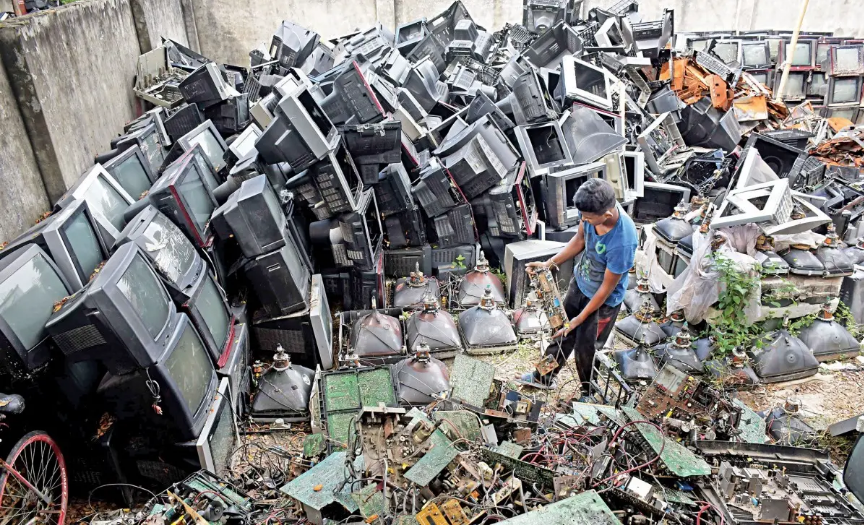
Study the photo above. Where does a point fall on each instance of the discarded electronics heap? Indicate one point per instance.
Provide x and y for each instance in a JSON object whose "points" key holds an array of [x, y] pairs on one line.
{"points": [[308, 238]]}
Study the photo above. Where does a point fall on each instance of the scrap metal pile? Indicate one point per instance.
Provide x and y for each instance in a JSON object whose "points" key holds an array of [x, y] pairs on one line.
{"points": [[414, 175]]}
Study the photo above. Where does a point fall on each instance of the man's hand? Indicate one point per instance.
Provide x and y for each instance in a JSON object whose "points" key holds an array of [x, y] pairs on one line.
{"points": [[537, 266], [576, 321]]}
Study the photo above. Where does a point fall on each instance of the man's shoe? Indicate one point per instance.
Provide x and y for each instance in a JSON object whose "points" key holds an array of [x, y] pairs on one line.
{"points": [[530, 379]]}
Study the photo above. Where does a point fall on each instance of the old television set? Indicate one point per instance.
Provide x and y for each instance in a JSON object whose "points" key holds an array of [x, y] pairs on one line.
{"points": [[803, 56], [817, 88], [844, 90], [350, 100], [510, 209], [306, 335], [204, 86], [729, 51], [763, 76], [755, 55], [848, 112], [256, 217], [300, 134], [281, 278], [796, 87], [182, 120], [186, 380], [517, 255], [207, 308], [292, 44], [338, 181], [148, 141], [659, 201], [847, 60], [583, 82], [168, 249], [633, 164], [71, 238], [132, 170], [106, 199], [560, 192], [209, 139], [217, 441], [124, 318], [184, 196], [544, 146], [243, 146], [30, 286]]}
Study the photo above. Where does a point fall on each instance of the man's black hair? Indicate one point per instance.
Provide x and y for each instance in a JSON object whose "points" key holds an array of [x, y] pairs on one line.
{"points": [[595, 195]]}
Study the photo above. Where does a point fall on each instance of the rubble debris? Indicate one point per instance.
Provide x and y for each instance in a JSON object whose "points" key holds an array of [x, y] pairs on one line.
{"points": [[406, 179]]}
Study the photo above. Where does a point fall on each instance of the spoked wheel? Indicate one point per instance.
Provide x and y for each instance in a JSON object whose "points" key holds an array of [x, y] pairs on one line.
{"points": [[37, 492]]}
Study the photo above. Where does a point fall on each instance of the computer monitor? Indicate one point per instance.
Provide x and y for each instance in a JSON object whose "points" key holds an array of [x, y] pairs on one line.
{"points": [[183, 195], [796, 87], [309, 122], [132, 170], [106, 199], [244, 145], [256, 217], [184, 376], [208, 309], [350, 100], [168, 249], [755, 54], [124, 318], [71, 238], [209, 138], [844, 90], [30, 286], [560, 191]]}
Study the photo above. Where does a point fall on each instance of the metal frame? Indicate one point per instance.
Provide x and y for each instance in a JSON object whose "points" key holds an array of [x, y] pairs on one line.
{"points": [[667, 123], [777, 207]]}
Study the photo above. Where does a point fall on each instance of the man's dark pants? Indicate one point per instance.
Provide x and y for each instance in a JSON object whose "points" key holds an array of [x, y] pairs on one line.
{"points": [[581, 339]]}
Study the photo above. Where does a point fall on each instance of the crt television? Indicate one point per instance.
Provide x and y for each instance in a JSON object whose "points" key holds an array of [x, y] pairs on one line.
{"points": [[132, 170], [208, 309], [183, 195], [106, 199], [168, 249], [148, 141], [184, 376], [124, 318], [71, 238], [30, 286], [216, 443], [560, 192], [256, 218], [208, 138]]}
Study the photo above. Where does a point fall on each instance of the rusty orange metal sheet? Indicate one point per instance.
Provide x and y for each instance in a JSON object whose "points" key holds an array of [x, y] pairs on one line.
{"points": [[751, 108]]}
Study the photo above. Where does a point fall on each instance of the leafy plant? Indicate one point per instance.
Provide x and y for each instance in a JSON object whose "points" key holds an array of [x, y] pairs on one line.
{"points": [[844, 316], [796, 325], [732, 329], [500, 274], [459, 262]]}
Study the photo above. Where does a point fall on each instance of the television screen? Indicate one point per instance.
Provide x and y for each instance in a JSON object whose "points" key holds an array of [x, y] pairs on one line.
{"points": [[755, 54], [211, 145], [153, 150], [131, 175], [796, 86], [822, 52], [27, 300], [761, 77], [190, 367], [211, 306], [847, 59], [169, 248], [83, 244], [104, 200], [847, 113], [197, 198], [322, 121], [802, 54], [727, 51], [145, 292], [846, 90], [591, 80]]}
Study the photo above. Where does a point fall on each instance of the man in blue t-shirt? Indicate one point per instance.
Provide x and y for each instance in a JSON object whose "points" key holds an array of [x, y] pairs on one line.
{"points": [[607, 241]]}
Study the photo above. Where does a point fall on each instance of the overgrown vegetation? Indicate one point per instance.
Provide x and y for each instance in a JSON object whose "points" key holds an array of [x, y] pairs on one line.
{"points": [[732, 329], [843, 316]]}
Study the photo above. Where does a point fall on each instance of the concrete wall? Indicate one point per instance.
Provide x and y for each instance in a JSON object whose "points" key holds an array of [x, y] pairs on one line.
{"points": [[229, 29], [155, 19], [22, 194], [72, 71], [843, 17], [66, 91]]}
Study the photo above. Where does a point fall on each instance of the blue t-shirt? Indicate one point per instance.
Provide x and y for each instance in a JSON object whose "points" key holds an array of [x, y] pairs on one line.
{"points": [[613, 251]]}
